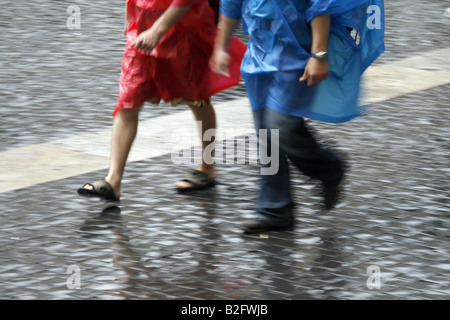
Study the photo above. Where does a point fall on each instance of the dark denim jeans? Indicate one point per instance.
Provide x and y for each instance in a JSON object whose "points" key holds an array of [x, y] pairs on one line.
{"points": [[296, 143]]}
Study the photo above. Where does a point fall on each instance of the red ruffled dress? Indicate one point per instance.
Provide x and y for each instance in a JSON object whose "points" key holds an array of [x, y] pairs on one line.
{"points": [[177, 69]]}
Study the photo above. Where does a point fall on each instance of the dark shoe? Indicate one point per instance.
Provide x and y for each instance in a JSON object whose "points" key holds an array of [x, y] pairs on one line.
{"points": [[330, 196], [259, 225], [331, 193], [332, 189]]}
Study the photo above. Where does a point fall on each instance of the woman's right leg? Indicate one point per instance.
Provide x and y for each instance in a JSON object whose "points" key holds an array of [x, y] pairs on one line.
{"points": [[206, 116], [123, 134]]}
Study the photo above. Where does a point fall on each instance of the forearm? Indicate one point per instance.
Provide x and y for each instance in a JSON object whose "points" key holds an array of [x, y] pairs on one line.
{"points": [[149, 39], [316, 70], [169, 18], [220, 60], [320, 27], [127, 21], [225, 31]]}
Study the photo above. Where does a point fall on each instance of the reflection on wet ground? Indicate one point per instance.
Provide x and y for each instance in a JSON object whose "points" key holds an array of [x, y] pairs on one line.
{"points": [[159, 244]]}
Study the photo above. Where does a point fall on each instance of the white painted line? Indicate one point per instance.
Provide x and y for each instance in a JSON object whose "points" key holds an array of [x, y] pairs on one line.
{"points": [[388, 82], [162, 135], [35, 164]]}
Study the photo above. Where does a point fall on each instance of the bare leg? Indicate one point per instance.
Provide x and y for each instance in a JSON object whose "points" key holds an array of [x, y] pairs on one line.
{"points": [[207, 117], [123, 134]]}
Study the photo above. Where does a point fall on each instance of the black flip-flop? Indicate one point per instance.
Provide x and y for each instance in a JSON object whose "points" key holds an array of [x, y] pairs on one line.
{"points": [[199, 181], [100, 189]]}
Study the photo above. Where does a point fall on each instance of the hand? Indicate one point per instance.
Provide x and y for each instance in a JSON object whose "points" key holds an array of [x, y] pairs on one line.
{"points": [[220, 62], [147, 40], [315, 72]]}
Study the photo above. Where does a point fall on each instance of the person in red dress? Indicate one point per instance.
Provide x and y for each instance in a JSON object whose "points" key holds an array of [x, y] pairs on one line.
{"points": [[169, 44]]}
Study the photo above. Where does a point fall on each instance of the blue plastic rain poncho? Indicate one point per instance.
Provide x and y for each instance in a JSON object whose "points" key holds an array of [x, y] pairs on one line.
{"points": [[279, 49]]}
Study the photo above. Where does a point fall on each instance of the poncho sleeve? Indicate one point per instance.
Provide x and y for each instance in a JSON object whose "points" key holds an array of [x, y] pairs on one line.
{"points": [[231, 8], [364, 16], [331, 7]]}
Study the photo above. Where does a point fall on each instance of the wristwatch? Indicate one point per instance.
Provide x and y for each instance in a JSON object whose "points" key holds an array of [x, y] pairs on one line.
{"points": [[322, 55]]}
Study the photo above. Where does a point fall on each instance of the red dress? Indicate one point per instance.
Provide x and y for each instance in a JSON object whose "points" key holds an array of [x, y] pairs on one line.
{"points": [[177, 68]]}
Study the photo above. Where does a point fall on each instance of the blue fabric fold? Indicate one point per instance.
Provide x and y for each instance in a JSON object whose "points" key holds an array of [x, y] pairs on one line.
{"points": [[279, 49]]}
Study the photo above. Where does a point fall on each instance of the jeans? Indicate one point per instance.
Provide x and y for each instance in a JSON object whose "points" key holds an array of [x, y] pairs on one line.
{"points": [[296, 143]]}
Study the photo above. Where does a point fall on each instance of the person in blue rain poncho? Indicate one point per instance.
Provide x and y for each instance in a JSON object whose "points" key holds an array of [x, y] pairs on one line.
{"points": [[304, 59]]}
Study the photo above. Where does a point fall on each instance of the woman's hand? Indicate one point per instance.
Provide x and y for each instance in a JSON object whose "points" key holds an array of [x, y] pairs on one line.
{"points": [[147, 40], [315, 71]]}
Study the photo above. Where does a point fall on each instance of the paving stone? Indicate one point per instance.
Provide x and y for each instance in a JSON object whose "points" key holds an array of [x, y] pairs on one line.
{"points": [[160, 244]]}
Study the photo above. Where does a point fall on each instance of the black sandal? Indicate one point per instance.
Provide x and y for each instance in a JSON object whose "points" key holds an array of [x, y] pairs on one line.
{"points": [[199, 181], [100, 189]]}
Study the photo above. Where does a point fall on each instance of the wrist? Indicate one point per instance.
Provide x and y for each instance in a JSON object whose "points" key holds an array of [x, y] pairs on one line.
{"points": [[320, 55], [220, 47], [159, 29]]}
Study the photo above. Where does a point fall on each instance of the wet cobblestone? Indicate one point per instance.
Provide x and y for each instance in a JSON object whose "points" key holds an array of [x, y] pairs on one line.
{"points": [[159, 244]]}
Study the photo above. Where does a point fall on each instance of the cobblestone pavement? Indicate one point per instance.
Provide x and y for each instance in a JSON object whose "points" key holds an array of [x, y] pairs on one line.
{"points": [[159, 244]]}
